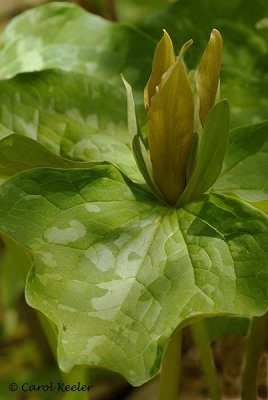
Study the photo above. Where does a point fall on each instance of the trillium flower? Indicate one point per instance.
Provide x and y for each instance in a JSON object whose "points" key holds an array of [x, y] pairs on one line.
{"points": [[177, 116], [170, 104]]}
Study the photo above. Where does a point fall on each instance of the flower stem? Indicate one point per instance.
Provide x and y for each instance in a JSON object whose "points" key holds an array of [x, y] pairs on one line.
{"points": [[50, 331], [255, 347], [77, 374], [111, 10], [201, 338], [170, 371]]}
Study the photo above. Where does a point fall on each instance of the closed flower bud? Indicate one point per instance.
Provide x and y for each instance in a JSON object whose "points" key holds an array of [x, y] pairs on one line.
{"points": [[170, 120], [169, 102]]}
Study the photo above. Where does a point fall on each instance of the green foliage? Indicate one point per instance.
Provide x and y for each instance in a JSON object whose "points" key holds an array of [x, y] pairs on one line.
{"points": [[62, 35], [134, 11], [115, 268], [68, 122], [245, 169], [120, 271]]}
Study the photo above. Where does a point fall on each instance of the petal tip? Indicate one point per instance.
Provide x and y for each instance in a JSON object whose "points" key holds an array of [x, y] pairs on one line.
{"points": [[186, 46]]}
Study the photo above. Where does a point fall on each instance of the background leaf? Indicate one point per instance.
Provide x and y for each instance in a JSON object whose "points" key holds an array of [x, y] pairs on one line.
{"points": [[245, 169], [62, 35], [134, 11], [71, 115], [19, 153]]}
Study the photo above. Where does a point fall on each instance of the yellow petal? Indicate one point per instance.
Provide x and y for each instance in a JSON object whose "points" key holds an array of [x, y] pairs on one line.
{"points": [[170, 131], [163, 59], [186, 46], [208, 74]]}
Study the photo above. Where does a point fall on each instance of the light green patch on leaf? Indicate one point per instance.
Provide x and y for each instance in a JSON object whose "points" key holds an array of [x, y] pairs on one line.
{"points": [[245, 169], [118, 272], [100, 147]]}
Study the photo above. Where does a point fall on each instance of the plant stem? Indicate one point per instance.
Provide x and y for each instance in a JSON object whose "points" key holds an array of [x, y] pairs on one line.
{"points": [[84, 4], [50, 332], [255, 347], [111, 10], [201, 338], [105, 8], [77, 374], [170, 371]]}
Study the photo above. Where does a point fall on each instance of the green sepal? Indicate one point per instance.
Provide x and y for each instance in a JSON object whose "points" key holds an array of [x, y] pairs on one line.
{"points": [[192, 157], [210, 154], [144, 163], [131, 113], [140, 152]]}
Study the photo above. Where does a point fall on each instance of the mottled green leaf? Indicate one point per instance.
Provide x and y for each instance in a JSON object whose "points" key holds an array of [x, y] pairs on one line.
{"points": [[117, 271], [85, 122], [245, 169], [19, 153], [61, 35]]}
